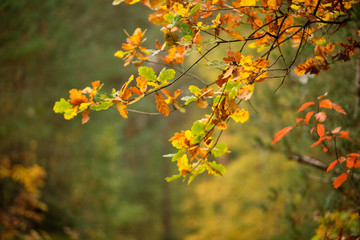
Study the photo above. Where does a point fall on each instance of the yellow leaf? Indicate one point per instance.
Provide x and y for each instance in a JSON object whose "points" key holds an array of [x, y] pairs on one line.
{"points": [[222, 125], [240, 115]]}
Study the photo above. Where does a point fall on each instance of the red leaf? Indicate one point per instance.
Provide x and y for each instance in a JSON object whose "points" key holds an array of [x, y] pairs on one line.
{"points": [[339, 180], [305, 105], [320, 130], [320, 116], [280, 134], [338, 108], [331, 165], [326, 103], [308, 116], [325, 149]]}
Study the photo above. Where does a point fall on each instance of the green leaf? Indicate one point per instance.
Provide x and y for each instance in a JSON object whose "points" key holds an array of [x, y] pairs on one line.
{"points": [[195, 90], [148, 73], [188, 38], [102, 96], [219, 168], [219, 150], [198, 128], [218, 99], [177, 155], [165, 75], [175, 21], [169, 17], [198, 138], [188, 99], [186, 29], [232, 88], [217, 64], [172, 178], [102, 106], [194, 9], [61, 106]]}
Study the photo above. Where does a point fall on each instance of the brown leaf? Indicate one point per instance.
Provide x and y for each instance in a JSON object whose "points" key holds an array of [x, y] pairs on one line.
{"points": [[85, 116]]}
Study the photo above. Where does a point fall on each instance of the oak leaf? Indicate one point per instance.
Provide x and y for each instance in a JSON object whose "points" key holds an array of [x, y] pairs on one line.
{"points": [[122, 109], [161, 105]]}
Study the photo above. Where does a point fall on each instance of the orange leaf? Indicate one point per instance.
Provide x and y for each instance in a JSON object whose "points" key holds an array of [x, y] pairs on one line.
{"points": [[326, 103], [331, 165], [317, 142], [345, 134], [122, 109], [325, 149], [350, 161], [308, 116], [320, 130], [339, 180], [280, 134], [305, 105], [161, 105], [320, 116], [77, 98], [299, 119], [338, 108], [85, 116], [202, 103]]}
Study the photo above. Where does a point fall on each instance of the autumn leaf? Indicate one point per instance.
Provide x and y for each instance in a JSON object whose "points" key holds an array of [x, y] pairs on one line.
{"points": [[320, 129], [85, 116], [326, 103], [280, 134], [240, 115], [161, 105], [331, 165], [122, 109], [320, 116], [76, 97], [305, 105], [308, 116], [338, 108], [339, 180]]}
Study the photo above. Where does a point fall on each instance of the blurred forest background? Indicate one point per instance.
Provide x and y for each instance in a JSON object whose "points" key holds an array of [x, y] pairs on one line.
{"points": [[105, 180]]}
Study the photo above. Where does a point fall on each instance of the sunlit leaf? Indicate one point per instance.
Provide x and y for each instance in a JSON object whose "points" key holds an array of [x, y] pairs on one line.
{"points": [[219, 150], [101, 106], [147, 72], [161, 105], [61, 106]]}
